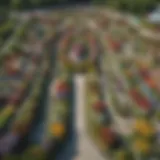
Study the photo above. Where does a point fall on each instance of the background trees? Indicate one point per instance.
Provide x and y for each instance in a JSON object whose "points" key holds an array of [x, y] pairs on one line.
{"points": [[136, 6]]}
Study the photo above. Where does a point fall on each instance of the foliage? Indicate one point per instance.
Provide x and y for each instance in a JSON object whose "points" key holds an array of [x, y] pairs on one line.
{"points": [[136, 6]]}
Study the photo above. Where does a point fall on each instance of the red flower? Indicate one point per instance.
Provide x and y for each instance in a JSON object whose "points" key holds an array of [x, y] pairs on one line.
{"points": [[140, 100], [144, 73], [115, 45], [108, 135], [99, 106], [62, 87], [150, 82]]}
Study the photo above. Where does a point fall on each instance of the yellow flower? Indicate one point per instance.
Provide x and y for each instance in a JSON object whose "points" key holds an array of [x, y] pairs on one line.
{"points": [[58, 130], [144, 128], [142, 146]]}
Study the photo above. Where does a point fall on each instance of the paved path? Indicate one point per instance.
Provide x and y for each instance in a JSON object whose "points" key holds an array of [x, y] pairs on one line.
{"points": [[84, 149]]}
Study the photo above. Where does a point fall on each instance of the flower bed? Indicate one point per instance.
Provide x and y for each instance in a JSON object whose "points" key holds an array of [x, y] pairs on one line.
{"points": [[73, 60], [141, 48], [17, 118], [21, 124], [57, 123], [100, 124], [144, 139], [141, 87], [26, 77]]}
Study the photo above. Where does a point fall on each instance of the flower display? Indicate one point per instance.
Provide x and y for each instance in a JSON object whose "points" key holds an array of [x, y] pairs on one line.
{"points": [[61, 89], [142, 146], [58, 130], [107, 135], [144, 128], [99, 106], [36, 116]]}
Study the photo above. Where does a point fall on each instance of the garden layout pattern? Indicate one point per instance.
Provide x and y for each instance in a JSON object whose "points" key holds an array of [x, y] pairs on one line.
{"points": [[86, 89]]}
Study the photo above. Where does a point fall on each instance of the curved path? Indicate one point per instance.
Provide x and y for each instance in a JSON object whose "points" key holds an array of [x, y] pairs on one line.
{"points": [[84, 149]]}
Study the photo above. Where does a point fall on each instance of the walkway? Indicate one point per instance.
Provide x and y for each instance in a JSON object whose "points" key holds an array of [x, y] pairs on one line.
{"points": [[84, 148]]}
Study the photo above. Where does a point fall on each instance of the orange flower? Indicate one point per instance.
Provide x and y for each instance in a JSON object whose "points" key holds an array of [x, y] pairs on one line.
{"points": [[58, 130], [151, 83]]}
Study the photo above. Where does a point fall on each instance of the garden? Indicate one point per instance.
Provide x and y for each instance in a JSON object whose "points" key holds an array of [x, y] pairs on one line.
{"points": [[37, 90]]}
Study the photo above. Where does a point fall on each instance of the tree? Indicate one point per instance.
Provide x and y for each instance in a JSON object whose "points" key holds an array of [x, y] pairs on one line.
{"points": [[16, 4]]}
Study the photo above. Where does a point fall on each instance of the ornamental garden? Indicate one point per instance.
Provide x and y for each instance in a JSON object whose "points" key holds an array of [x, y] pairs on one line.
{"points": [[38, 62]]}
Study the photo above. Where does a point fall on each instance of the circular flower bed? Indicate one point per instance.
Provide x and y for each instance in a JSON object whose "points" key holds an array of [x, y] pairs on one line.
{"points": [[81, 56]]}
